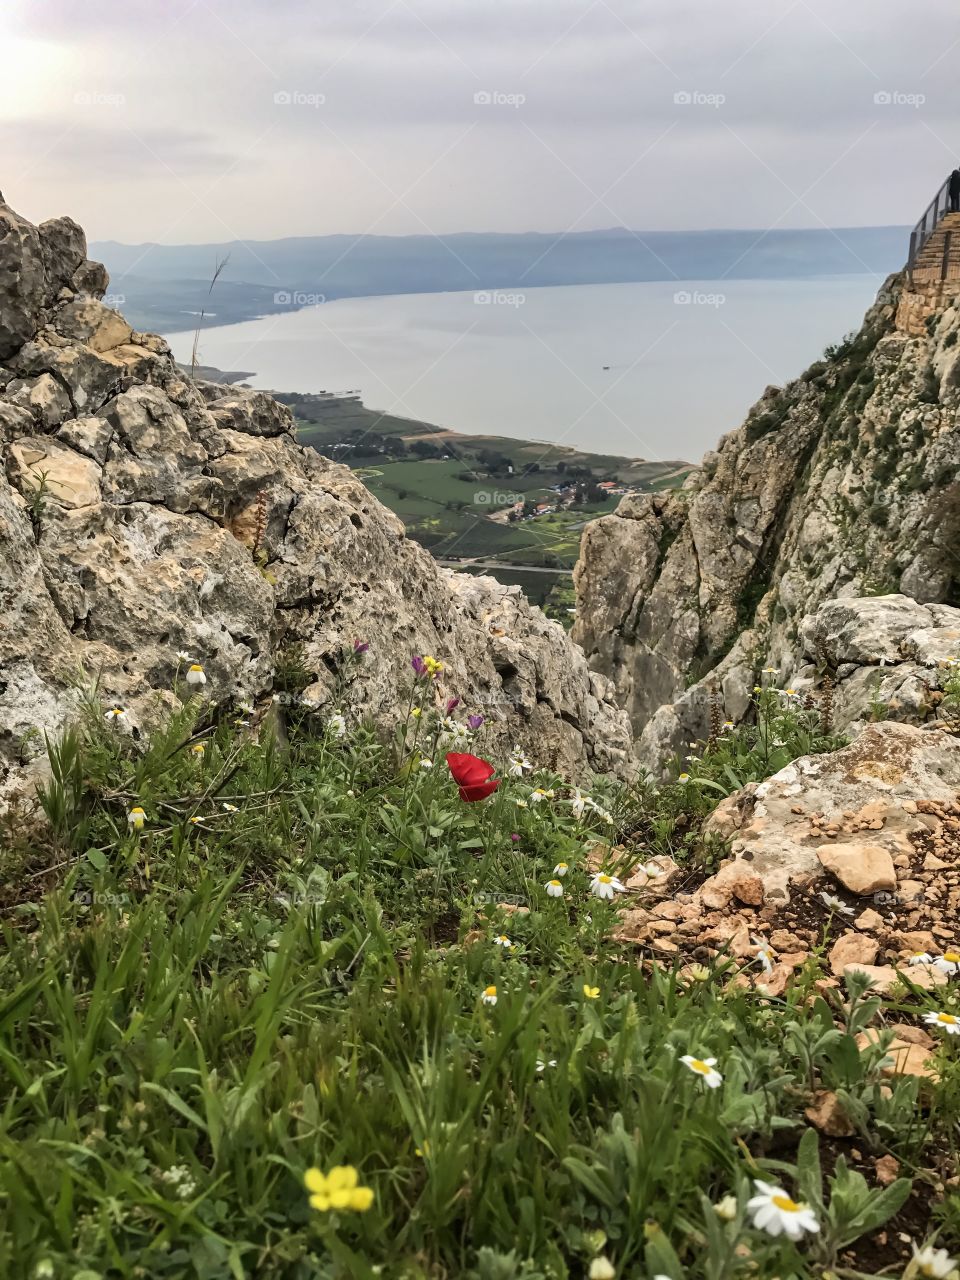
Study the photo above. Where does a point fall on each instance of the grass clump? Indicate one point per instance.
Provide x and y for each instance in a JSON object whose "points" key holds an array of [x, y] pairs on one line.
{"points": [[306, 1011]]}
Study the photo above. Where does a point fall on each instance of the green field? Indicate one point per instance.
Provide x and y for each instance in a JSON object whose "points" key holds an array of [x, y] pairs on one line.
{"points": [[445, 487]]}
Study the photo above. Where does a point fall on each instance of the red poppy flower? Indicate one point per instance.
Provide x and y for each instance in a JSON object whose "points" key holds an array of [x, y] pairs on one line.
{"points": [[472, 776]]}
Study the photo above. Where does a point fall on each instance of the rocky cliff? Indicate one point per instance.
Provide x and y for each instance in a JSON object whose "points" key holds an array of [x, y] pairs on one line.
{"points": [[843, 483], [143, 513]]}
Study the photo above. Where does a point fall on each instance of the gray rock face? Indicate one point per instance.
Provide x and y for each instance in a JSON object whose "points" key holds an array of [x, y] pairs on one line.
{"points": [[142, 513], [891, 656], [845, 483], [22, 281]]}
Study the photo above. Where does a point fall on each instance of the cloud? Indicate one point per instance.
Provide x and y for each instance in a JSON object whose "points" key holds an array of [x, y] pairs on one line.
{"points": [[478, 114]]}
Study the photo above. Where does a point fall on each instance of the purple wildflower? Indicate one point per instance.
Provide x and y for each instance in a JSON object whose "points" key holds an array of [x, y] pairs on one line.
{"points": [[474, 722], [361, 646], [418, 664]]}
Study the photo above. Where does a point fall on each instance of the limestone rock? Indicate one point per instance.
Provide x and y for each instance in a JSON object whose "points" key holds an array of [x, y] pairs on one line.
{"points": [[886, 765], [889, 651], [861, 868], [22, 281], [826, 1114], [852, 949], [63, 247]]}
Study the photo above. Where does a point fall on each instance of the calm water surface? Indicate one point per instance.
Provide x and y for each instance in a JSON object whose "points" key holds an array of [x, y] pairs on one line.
{"points": [[651, 370]]}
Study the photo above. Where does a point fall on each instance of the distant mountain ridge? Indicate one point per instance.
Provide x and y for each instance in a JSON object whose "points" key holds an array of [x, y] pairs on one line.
{"points": [[164, 286]]}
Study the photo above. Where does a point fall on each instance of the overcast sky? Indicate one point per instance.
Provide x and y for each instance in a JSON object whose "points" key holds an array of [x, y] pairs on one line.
{"points": [[199, 120]]}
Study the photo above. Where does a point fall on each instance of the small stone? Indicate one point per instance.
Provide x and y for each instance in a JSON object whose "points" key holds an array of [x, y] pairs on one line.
{"points": [[827, 1115], [861, 868], [887, 1169], [932, 863], [882, 976], [869, 919], [853, 949]]}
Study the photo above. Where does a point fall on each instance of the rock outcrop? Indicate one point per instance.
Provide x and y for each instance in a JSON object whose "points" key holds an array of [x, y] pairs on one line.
{"points": [[888, 655], [845, 483], [848, 814], [860, 846], [142, 513]]}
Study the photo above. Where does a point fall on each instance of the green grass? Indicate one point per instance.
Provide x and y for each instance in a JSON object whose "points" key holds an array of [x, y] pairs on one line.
{"points": [[193, 1015]]}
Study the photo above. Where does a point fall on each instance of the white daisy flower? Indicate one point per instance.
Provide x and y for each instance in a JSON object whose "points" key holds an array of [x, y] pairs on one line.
{"points": [[540, 793], [489, 995], [831, 901], [561, 869], [935, 1263], [683, 777], [230, 808], [195, 674], [948, 963], [503, 941], [522, 804], [604, 886], [518, 764], [705, 1069], [946, 1021], [602, 813], [554, 889], [136, 818], [774, 1212], [921, 957], [578, 802], [183, 656], [114, 714], [198, 749], [425, 763], [337, 724], [542, 1066]]}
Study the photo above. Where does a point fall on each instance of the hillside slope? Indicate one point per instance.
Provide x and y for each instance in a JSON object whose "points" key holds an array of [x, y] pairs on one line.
{"points": [[142, 514], [842, 483]]}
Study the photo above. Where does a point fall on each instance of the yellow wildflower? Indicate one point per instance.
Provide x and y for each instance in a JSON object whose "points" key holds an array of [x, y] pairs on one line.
{"points": [[338, 1189]]}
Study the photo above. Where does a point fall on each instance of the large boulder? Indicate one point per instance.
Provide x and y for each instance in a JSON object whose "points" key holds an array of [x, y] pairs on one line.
{"points": [[845, 817], [142, 513], [891, 657]]}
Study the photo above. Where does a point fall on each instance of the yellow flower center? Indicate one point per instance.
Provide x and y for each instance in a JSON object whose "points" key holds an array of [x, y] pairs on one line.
{"points": [[947, 1018], [604, 879], [952, 956], [554, 883], [786, 1204], [700, 1066], [490, 991]]}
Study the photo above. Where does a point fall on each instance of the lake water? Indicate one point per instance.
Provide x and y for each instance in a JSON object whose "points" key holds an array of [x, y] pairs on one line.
{"points": [[684, 361]]}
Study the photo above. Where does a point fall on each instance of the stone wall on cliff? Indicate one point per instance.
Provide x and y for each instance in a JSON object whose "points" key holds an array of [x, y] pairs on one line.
{"points": [[143, 513], [844, 483]]}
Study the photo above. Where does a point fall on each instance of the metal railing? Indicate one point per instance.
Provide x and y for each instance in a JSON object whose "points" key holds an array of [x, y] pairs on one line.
{"points": [[937, 209]]}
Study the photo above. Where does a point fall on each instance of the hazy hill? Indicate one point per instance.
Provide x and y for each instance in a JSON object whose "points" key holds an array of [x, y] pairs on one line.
{"points": [[161, 285]]}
